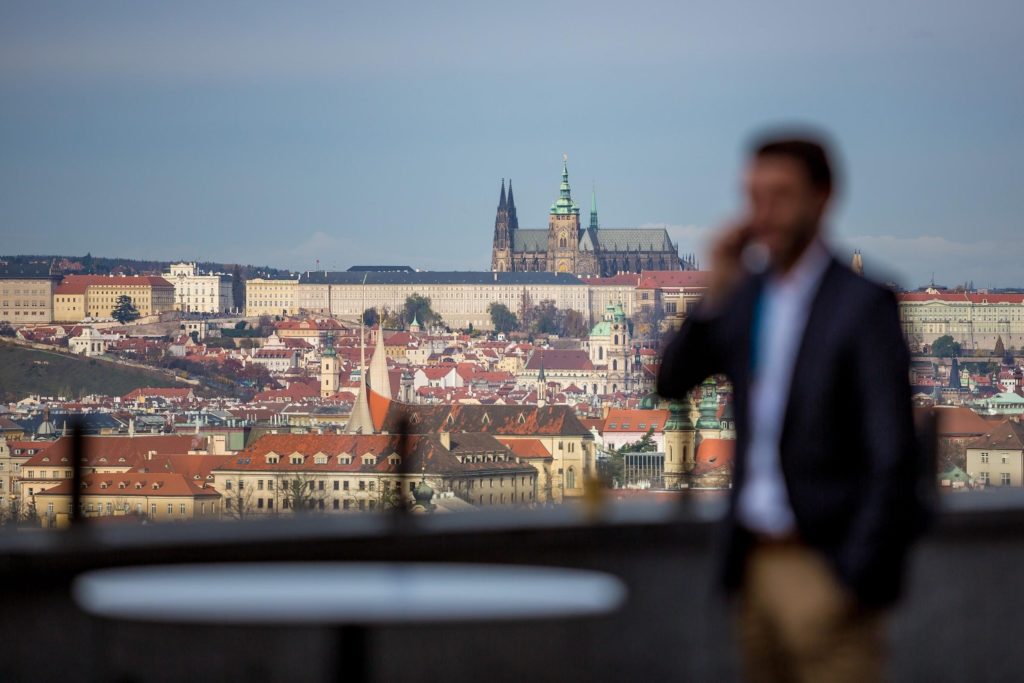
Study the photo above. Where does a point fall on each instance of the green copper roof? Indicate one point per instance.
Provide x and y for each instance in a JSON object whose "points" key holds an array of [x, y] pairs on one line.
{"points": [[564, 205], [593, 208], [678, 417], [708, 405]]}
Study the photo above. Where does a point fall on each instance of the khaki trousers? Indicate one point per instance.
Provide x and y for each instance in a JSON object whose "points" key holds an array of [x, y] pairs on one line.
{"points": [[798, 623]]}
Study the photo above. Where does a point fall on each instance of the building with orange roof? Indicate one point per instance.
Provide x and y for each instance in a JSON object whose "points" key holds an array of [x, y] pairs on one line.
{"points": [[354, 472], [104, 454], [714, 462], [622, 426], [671, 294], [153, 496], [95, 296]]}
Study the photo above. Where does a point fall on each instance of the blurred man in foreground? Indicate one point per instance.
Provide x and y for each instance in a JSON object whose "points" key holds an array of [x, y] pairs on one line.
{"points": [[824, 505]]}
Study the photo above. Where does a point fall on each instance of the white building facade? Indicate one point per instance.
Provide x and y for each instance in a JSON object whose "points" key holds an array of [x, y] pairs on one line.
{"points": [[195, 292]]}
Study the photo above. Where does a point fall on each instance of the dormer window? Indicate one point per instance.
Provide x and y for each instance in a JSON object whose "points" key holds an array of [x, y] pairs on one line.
{"points": [[487, 419], [138, 485], [320, 459], [394, 459], [369, 459], [122, 485], [46, 459], [522, 419], [273, 458], [103, 484], [296, 459], [344, 459], [102, 460]]}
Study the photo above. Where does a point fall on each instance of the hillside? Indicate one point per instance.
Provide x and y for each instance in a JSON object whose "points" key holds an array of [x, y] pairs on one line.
{"points": [[25, 371]]}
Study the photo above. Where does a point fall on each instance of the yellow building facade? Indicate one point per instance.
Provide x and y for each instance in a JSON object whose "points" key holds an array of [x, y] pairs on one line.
{"points": [[271, 297]]}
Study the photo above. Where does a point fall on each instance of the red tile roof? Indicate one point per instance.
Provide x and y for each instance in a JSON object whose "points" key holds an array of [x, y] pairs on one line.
{"points": [[77, 284], [527, 448], [623, 420], [118, 451], [560, 359], [713, 454], [962, 297], [658, 279], [131, 484]]}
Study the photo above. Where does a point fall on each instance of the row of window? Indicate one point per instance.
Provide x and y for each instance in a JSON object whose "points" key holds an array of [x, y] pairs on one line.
{"points": [[1004, 478]]}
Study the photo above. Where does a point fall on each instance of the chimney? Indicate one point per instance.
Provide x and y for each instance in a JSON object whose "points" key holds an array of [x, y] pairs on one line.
{"points": [[445, 438]]}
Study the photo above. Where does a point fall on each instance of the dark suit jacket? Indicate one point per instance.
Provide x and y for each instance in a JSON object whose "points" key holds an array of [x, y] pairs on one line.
{"points": [[849, 452]]}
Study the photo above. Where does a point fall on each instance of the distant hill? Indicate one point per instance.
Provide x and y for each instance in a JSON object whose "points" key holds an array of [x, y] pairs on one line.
{"points": [[103, 265], [25, 371]]}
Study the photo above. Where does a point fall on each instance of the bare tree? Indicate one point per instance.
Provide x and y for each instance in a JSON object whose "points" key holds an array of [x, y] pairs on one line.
{"points": [[238, 501], [304, 492]]}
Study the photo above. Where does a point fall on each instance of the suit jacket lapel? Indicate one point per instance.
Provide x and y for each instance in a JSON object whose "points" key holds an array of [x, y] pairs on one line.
{"points": [[805, 369]]}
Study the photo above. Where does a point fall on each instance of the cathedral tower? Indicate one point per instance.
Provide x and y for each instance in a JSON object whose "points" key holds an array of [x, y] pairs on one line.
{"points": [[563, 228], [501, 251]]}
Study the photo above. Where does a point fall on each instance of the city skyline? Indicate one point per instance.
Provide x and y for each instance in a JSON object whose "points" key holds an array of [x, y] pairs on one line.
{"points": [[279, 137]]}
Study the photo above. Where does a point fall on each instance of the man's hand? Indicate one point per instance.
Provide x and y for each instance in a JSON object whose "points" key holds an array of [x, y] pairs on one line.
{"points": [[727, 264]]}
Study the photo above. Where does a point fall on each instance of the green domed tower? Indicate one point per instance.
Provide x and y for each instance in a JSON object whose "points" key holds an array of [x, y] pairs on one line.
{"points": [[422, 495], [680, 445], [708, 420]]}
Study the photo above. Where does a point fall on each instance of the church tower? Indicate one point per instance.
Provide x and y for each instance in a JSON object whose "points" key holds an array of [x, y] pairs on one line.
{"points": [[680, 445], [563, 228], [501, 251], [708, 425], [618, 375], [330, 370]]}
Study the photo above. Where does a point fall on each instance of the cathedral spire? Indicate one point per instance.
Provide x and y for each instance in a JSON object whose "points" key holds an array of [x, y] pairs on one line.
{"points": [[564, 205], [360, 421], [513, 219], [501, 202], [593, 208]]}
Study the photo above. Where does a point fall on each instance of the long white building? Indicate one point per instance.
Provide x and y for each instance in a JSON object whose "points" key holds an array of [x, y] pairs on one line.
{"points": [[974, 319], [460, 298]]}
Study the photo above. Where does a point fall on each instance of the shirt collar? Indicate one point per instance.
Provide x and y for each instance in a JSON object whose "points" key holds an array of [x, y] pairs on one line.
{"points": [[807, 272]]}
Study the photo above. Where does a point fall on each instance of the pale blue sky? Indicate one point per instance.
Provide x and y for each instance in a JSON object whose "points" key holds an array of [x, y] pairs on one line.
{"points": [[280, 133]]}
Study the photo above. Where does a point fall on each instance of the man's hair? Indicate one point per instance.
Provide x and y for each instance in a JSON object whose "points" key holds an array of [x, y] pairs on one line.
{"points": [[807, 152]]}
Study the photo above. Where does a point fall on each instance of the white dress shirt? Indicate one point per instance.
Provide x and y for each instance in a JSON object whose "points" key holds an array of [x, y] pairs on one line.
{"points": [[763, 506]]}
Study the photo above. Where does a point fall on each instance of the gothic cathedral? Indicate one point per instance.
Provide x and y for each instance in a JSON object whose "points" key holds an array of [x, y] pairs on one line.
{"points": [[567, 247]]}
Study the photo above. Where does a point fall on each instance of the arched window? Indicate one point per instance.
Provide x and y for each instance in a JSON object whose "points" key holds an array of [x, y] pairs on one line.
{"points": [[570, 478], [561, 243], [615, 340], [615, 364], [600, 353]]}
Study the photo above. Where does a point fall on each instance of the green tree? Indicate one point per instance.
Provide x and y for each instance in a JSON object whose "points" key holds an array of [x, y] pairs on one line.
{"points": [[370, 317], [124, 310], [945, 347], [503, 319], [418, 307], [1000, 348], [645, 444], [545, 317]]}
